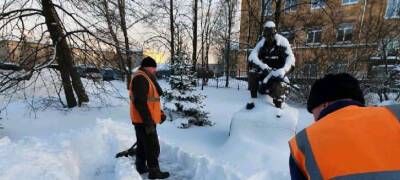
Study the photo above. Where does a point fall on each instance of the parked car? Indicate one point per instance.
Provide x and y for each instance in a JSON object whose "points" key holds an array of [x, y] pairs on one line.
{"points": [[110, 74], [118, 74], [13, 70], [89, 72], [10, 66], [163, 71]]}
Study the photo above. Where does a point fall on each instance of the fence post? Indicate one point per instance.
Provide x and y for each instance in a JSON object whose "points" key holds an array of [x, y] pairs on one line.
{"points": [[217, 81], [238, 82]]}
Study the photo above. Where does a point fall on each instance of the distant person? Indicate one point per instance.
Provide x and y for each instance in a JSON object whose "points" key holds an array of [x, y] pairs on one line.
{"points": [[269, 63], [348, 140], [146, 113]]}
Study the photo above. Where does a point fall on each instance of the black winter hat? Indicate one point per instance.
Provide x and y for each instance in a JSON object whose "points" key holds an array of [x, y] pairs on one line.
{"points": [[334, 87], [148, 62]]}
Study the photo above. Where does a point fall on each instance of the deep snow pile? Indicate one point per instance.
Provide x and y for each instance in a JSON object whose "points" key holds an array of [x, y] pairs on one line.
{"points": [[258, 134], [89, 154], [54, 143]]}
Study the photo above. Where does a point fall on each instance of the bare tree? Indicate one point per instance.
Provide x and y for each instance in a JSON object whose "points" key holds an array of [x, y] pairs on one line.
{"points": [[15, 15], [114, 14], [195, 20]]}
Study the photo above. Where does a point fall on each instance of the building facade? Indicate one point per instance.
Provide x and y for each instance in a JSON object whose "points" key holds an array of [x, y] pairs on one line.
{"points": [[327, 36]]}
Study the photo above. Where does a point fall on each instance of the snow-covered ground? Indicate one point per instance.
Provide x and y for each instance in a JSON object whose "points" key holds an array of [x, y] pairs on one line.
{"points": [[81, 143]]}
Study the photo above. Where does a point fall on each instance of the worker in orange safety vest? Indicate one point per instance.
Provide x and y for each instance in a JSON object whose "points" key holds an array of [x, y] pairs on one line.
{"points": [[348, 140], [146, 113]]}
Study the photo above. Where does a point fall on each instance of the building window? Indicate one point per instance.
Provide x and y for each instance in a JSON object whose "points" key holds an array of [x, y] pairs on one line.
{"points": [[348, 2], [268, 8], [291, 5], [289, 35], [393, 9], [345, 33], [392, 47], [317, 4], [310, 70], [337, 67], [314, 36]]}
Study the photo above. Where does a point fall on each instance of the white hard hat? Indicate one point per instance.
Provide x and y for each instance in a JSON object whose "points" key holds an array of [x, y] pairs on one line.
{"points": [[269, 24]]}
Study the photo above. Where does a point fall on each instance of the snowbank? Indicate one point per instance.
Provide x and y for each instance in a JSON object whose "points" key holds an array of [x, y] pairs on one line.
{"points": [[55, 143], [261, 141], [88, 153], [77, 154]]}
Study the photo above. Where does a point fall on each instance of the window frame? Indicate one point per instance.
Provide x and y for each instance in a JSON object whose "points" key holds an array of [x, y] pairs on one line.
{"points": [[345, 27], [314, 31], [315, 6], [396, 12], [292, 8], [352, 2], [392, 45]]}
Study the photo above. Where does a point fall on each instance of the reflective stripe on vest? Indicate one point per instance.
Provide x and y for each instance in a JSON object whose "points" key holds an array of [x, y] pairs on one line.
{"points": [[150, 99], [351, 143], [387, 175], [395, 108], [305, 147]]}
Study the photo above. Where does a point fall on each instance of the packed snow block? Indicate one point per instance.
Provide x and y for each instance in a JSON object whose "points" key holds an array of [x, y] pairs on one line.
{"points": [[184, 165], [260, 139], [261, 123], [124, 170]]}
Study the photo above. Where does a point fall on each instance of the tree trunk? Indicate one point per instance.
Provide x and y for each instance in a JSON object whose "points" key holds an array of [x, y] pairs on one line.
{"points": [[228, 43], [171, 19], [64, 54], [278, 13], [114, 37], [194, 55], [263, 9], [121, 6], [54, 27]]}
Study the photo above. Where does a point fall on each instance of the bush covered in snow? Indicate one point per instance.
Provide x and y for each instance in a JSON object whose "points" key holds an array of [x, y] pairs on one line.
{"points": [[182, 98]]}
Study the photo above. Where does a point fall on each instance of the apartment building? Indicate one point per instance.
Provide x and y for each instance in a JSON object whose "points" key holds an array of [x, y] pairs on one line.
{"points": [[327, 35]]}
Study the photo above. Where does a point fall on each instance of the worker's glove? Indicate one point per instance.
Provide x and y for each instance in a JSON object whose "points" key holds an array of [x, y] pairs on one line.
{"points": [[150, 129], [278, 73], [163, 117]]}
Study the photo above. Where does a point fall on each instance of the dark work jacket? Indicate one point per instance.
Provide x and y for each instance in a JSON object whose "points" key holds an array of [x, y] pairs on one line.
{"points": [[295, 171], [140, 88]]}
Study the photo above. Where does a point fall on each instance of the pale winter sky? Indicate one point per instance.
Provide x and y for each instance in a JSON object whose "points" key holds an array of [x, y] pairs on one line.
{"points": [[138, 33]]}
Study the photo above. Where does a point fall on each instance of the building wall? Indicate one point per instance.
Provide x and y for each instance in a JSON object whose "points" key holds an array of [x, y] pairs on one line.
{"points": [[366, 16]]}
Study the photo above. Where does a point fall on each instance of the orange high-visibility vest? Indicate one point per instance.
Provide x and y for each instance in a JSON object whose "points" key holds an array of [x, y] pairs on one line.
{"points": [[351, 143], [153, 101]]}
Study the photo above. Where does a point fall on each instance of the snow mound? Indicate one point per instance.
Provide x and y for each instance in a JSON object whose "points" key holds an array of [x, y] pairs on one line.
{"points": [[191, 166], [88, 153], [261, 139], [78, 154]]}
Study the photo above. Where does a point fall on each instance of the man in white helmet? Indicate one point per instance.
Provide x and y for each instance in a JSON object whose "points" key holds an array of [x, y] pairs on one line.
{"points": [[269, 63]]}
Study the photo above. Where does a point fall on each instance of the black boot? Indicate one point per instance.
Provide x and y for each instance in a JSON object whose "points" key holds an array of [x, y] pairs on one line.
{"points": [[278, 103], [141, 169], [250, 106], [155, 173]]}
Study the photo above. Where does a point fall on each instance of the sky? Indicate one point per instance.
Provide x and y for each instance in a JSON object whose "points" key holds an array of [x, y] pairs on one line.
{"points": [[139, 33]]}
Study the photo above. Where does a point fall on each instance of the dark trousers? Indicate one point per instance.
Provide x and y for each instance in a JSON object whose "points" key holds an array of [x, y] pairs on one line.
{"points": [[275, 87], [148, 148]]}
